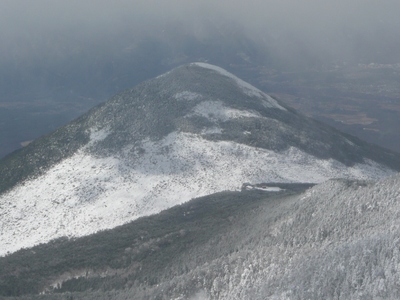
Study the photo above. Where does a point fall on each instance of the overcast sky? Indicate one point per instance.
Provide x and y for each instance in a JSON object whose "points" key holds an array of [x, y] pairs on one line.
{"points": [[30, 27], [79, 52]]}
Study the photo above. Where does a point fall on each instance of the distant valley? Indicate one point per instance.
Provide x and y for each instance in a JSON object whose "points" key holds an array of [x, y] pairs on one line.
{"points": [[363, 100]]}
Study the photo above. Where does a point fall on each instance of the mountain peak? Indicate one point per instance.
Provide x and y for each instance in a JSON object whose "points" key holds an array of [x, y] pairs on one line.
{"points": [[247, 88], [193, 131]]}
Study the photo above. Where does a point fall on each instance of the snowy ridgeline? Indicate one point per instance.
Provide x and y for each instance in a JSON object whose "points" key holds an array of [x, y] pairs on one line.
{"points": [[84, 193], [247, 88]]}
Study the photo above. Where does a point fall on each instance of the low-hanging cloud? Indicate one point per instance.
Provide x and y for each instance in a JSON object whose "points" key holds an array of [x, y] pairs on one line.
{"points": [[330, 29]]}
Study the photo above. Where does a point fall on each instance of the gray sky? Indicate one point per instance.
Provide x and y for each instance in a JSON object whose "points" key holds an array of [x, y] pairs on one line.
{"points": [[334, 28]]}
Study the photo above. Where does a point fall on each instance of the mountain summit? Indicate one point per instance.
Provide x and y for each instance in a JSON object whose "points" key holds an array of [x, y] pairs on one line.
{"points": [[193, 131]]}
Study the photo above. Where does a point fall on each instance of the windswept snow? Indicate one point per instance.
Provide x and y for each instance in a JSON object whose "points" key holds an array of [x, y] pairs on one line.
{"points": [[247, 88], [84, 194], [217, 111]]}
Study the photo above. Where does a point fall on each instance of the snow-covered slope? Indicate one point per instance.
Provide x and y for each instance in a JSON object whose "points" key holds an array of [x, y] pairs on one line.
{"points": [[194, 131], [84, 193], [337, 240]]}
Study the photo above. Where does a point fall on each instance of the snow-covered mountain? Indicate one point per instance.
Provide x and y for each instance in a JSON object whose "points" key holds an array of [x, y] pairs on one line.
{"points": [[193, 131]]}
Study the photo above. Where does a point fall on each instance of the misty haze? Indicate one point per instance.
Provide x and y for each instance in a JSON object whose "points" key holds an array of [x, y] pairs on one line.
{"points": [[60, 59]]}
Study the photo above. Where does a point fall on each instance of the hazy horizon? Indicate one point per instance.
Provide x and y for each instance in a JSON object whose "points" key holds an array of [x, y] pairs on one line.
{"points": [[331, 30]]}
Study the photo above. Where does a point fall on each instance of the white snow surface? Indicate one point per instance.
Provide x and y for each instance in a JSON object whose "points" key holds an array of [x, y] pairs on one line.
{"points": [[84, 194], [217, 111], [247, 88], [269, 189]]}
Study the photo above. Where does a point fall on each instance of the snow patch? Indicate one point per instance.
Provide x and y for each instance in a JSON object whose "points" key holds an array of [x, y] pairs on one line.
{"points": [[247, 88], [98, 135], [217, 111], [248, 186], [269, 189], [212, 130]]}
